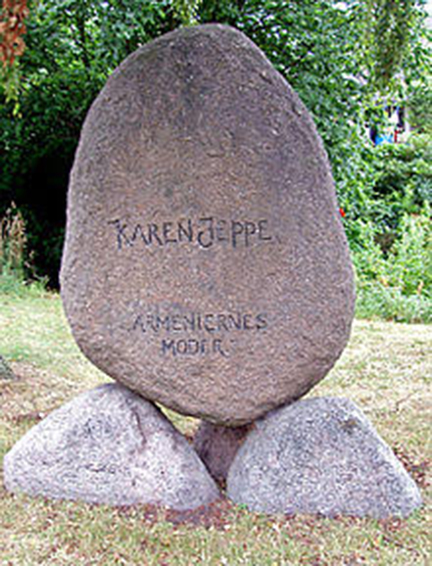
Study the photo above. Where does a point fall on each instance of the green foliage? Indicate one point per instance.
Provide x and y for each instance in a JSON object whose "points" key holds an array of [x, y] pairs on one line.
{"points": [[396, 285], [388, 30], [12, 284], [376, 301], [186, 10], [10, 81], [411, 256], [401, 183], [420, 106], [389, 229], [405, 169]]}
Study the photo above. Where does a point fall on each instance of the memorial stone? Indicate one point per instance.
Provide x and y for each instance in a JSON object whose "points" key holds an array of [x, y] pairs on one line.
{"points": [[205, 263]]}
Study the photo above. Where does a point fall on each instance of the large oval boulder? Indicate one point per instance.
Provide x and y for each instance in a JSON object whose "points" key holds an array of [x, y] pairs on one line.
{"points": [[205, 263]]}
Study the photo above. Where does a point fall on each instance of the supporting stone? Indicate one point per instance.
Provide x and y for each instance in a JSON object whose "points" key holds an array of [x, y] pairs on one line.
{"points": [[218, 445], [109, 445], [320, 456]]}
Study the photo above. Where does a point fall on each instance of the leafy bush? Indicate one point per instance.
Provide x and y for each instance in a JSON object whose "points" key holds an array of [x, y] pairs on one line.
{"points": [[396, 285], [388, 224], [402, 182], [374, 300], [409, 263]]}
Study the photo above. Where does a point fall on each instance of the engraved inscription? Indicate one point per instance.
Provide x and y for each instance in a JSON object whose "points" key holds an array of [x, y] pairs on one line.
{"points": [[193, 347], [203, 232], [197, 334]]}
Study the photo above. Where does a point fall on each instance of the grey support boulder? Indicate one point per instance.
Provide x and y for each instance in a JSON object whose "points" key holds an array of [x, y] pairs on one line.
{"points": [[109, 445], [320, 456]]}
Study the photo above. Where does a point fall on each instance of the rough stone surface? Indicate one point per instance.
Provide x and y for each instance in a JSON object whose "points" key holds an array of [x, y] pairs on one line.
{"points": [[5, 371], [205, 263], [217, 446], [320, 456], [109, 446]]}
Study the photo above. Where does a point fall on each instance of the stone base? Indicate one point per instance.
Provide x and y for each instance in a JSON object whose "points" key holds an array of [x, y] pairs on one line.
{"points": [[218, 445], [109, 446], [320, 456]]}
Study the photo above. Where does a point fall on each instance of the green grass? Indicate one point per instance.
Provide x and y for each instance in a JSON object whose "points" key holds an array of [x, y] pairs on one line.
{"points": [[386, 370]]}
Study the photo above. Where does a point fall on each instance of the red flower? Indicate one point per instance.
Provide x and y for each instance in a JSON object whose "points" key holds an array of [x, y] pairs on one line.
{"points": [[342, 212]]}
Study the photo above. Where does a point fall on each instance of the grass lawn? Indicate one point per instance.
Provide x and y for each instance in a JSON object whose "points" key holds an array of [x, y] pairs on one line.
{"points": [[386, 370]]}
